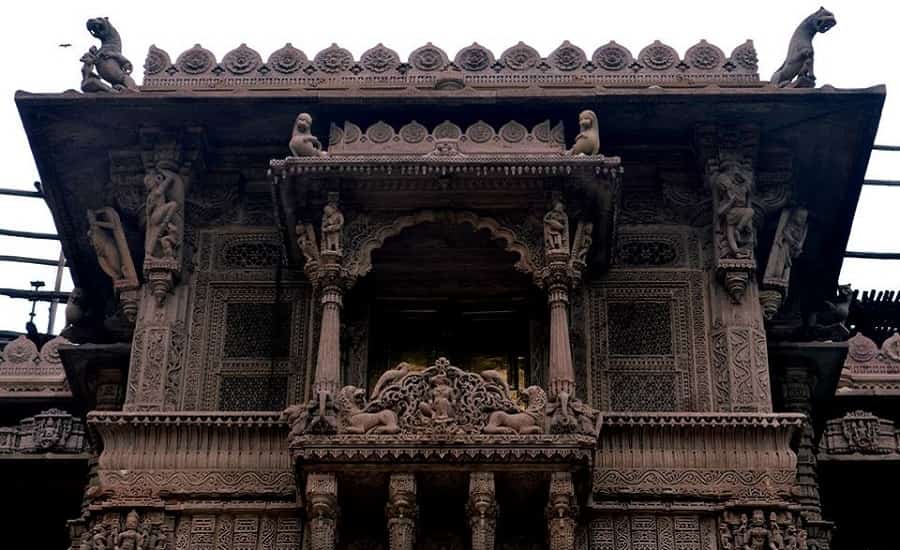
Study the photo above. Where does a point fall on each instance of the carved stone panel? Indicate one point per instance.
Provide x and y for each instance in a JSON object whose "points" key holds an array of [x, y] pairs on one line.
{"points": [[646, 531], [248, 340], [648, 339]]}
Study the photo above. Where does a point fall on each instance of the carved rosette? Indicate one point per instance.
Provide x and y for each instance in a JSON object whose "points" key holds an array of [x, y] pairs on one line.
{"points": [[562, 510], [401, 512], [482, 510]]}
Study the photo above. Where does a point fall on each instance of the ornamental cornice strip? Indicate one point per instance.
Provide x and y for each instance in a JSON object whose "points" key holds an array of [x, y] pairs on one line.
{"points": [[203, 418], [429, 67], [703, 420], [476, 165]]}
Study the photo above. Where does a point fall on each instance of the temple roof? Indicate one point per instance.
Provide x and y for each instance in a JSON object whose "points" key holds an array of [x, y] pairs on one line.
{"points": [[429, 67]]}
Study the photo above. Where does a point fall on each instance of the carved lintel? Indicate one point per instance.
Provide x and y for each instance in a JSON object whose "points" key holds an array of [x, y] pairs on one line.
{"points": [[562, 510], [482, 510], [401, 512], [322, 510]]}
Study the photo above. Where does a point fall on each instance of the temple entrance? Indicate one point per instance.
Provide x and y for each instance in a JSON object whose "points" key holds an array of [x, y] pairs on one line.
{"points": [[444, 290]]}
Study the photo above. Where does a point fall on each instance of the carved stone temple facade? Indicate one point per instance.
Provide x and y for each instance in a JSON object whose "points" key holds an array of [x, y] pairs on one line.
{"points": [[515, 301]]}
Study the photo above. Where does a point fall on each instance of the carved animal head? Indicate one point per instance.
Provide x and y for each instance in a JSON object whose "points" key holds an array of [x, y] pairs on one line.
{"points": [[350, 399], [303, 124], [535, 399], [100, 28], [587, 120], [822, 20]]}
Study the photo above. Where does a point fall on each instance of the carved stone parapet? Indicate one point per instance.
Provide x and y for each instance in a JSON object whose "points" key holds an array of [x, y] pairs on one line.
{"points": [[50, 431], [562, 511], [154, 454], [709, 455], [322, 510], [401, 512], [26, 372], [860, 434], [482, 510], [870, 369], [441, 400]]}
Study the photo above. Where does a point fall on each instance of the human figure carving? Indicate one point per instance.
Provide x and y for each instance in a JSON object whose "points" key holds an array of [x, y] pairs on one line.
{"points": [[161, 209], [98, 539], [306, 240], [332, 226], [303, 143], [441, 408], [556, 229], [582, 244], [102, 237], [351, 405], [587, 142], [799, 61], [529, 421], [733, 185], [130, 538], [788, 244], [111, 65]]}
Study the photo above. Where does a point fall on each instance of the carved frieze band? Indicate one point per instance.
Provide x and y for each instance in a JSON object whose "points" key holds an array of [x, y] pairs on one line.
{"points": [[696, 454], [145, 454]]}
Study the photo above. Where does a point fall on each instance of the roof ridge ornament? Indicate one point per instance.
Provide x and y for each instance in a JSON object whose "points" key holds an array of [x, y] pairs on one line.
{"points": [[474, 66]]}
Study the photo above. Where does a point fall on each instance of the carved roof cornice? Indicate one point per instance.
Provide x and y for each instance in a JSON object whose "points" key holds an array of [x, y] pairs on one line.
{"points": [[513, 450], [511, 165], [429, 67], [223, 419], [702, 420]]}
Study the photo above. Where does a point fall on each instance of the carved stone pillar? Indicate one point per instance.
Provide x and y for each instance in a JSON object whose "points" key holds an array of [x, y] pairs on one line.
{"points": [[562, 510], [401, 512], [562, 373], [482, 508], [322, 511], [170, 164], [328, 358], [740, 363]]}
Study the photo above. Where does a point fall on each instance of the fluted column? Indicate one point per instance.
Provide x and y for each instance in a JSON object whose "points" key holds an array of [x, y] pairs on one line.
{"points": [[401, 512], [322, 510], [482, 508], [328, 360], [561, 512], [562, 373]]}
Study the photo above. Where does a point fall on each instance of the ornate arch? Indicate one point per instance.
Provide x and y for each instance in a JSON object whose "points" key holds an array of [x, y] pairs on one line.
{"points": [[359, 259]]}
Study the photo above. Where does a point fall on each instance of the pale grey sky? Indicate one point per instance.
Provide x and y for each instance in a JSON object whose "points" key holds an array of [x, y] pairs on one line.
{"points": [[858, 52]]}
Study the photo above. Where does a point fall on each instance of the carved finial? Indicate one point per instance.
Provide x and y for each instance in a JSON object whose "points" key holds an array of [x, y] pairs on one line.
{"points": [[587, 142], [303, 143], [108, 62], [799, 61]]}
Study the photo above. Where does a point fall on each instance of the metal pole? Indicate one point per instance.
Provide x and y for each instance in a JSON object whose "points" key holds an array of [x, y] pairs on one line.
{"points": [[54, 303]]}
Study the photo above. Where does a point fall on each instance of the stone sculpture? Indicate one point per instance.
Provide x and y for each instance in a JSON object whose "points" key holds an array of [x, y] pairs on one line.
{"points": [[303, 143], [556, 229], [587, 142], [799, 61], [107, 238], [829, 323], [332, 226], [130, 538], [111, 66], [353, 418], [389, 377], [160, 240], [529, 421], [306, 240], [733, 185], [788, 244]]}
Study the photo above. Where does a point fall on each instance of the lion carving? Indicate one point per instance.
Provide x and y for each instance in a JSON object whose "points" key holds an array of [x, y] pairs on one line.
{"points": [[354, 420], [529, 421]]}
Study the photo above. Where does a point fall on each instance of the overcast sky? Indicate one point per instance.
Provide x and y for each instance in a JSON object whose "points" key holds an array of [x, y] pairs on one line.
{"points": [[859, 52]]}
